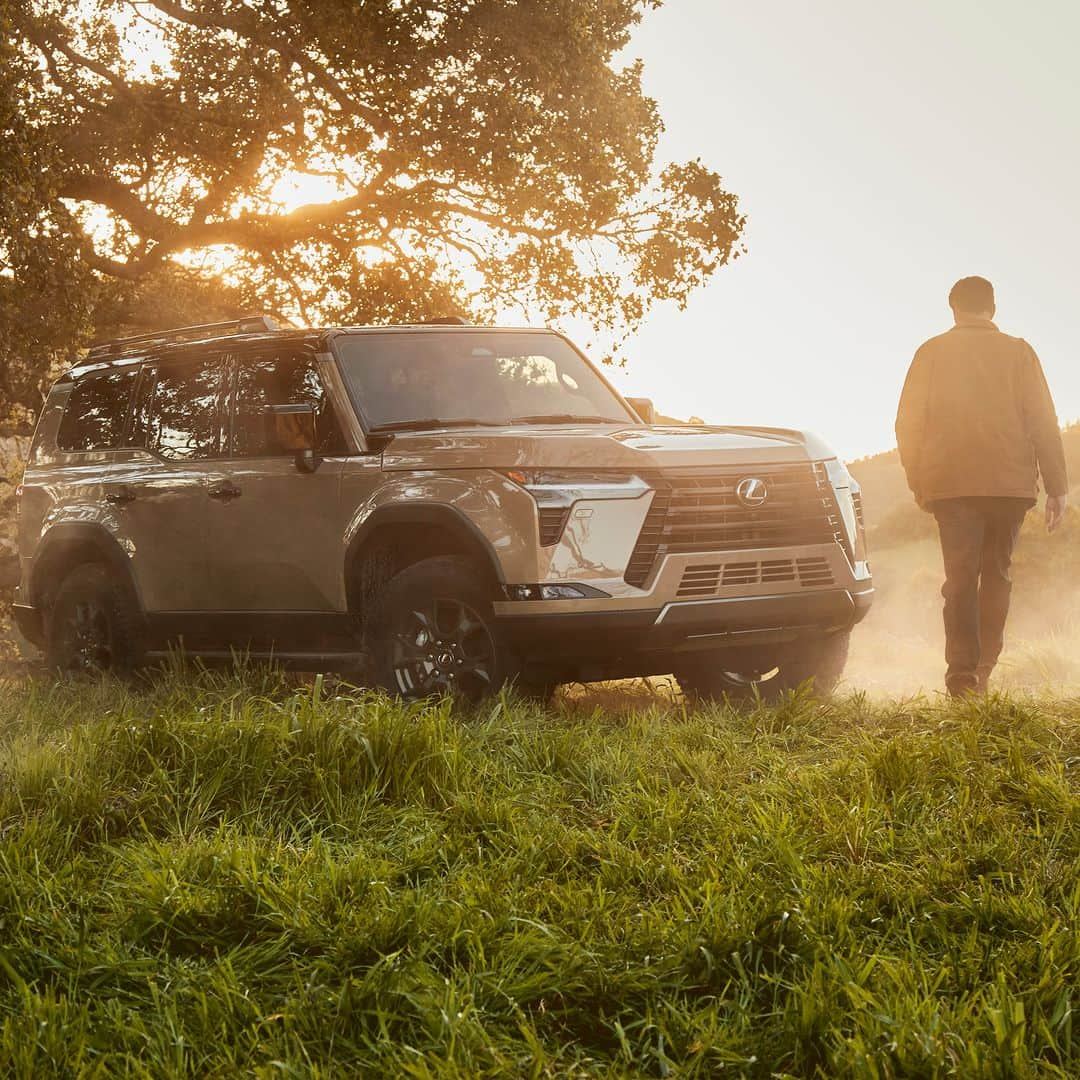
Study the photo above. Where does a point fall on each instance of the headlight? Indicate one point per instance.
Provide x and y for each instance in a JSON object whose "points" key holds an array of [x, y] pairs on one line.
{"points": [[554, 488], [849, 500], [838, 475]]}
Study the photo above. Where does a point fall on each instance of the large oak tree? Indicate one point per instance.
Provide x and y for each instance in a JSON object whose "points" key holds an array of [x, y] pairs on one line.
{"points": [[473, 154]]}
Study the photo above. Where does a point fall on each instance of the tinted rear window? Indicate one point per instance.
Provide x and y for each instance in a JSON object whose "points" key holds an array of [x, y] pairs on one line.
{"points": [[184, 415], [97, 411]]}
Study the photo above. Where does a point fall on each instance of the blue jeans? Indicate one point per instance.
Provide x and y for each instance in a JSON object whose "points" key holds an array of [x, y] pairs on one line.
{"points": [[978, 535]]}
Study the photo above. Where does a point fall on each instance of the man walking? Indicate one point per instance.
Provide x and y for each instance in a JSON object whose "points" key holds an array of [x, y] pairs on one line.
{"points": [[976, 426]]}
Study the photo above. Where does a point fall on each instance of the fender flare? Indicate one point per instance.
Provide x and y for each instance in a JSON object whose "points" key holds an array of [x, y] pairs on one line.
{"points": [[441, 515], [79, 534]]}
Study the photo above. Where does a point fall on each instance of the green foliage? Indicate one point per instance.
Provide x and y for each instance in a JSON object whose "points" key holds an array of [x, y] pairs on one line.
{"points": [[221, 878], [473, 156], [46, 290]]}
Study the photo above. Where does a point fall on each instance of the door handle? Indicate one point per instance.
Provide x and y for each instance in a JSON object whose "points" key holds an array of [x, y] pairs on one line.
{"points": [[122, 494], [224, 492]]}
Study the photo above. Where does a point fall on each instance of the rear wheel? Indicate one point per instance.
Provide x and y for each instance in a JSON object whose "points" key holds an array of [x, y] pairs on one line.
{"points": [[92, 626], [536, 690], [709, 678], [433, 632]]}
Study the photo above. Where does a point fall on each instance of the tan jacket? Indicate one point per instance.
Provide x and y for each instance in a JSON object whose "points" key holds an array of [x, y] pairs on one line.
{"points": [[976, 418]]}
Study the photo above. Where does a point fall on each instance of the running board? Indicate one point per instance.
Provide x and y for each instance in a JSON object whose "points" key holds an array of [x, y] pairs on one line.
{"points": [[303, 661]]}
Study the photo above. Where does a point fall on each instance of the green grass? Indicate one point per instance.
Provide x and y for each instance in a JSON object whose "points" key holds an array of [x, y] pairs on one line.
{"points": [[218, 877]]}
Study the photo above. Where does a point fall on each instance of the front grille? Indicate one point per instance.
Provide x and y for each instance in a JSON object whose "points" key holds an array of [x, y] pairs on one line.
{"points": [[552, 524], [650, 538], [713, 578], [696, 510]]}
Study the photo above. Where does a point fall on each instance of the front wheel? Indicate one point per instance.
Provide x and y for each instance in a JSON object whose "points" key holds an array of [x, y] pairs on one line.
{"points": [[707, 677], [433, 632], [91, 627]]}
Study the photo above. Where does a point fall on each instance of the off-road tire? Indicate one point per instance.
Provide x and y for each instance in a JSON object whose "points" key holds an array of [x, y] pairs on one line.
{"points": [[432, 631], [92, 626], [536, 691], [707, 678]]}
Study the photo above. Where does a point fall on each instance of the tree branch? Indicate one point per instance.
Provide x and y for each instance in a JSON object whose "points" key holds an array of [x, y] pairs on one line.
{"points": [[45, 42], [126, 271], [322, 78], [104, 191]]}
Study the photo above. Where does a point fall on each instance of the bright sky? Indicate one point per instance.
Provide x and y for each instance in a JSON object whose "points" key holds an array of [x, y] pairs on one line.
{"points": [[880, 151]]}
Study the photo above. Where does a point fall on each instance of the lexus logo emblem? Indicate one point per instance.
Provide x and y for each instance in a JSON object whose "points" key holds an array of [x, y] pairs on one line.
{"points": [[751, 491]]}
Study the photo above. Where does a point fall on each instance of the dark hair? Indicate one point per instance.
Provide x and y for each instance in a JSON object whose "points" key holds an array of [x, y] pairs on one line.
{"points": [[972, 295]]}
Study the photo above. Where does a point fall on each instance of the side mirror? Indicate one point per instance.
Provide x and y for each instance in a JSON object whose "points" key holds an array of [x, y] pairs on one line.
{"points": [[294, 430], [644, 407]]}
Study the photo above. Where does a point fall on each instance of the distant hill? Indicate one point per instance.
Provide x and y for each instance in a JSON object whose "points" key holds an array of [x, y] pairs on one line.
{"points": [[891, 514], [883, 483]]}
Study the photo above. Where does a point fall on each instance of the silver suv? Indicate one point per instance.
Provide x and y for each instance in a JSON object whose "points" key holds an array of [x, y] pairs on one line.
{"points": [[431, 507]]}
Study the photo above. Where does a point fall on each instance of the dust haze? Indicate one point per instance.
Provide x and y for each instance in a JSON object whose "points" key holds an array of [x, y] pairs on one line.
{"points": [[899, 648]]}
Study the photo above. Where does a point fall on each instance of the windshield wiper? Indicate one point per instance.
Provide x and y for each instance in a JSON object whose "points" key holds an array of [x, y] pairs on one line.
{"points": [[565, 418], [435, 422]]}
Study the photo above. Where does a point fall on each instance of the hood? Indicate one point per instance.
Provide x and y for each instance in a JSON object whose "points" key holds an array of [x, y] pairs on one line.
{"points": [[575, 446]]}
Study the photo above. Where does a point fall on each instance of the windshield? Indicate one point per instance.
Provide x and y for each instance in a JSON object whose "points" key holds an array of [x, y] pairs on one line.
{"points": [[424, 379]]}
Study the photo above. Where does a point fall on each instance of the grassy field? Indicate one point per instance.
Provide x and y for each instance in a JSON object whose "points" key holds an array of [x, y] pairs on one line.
{"points": [[236, 876], [218, 876]]}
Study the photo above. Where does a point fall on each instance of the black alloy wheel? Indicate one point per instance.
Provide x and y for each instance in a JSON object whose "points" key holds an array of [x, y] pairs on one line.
{"points": [[432, 631], [444, 648], [746, 682], [86, 638], [706, 677], [91, 626]]}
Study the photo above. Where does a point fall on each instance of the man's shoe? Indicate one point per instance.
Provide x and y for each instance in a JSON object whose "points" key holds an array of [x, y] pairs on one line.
{"points": [[963, 686]]}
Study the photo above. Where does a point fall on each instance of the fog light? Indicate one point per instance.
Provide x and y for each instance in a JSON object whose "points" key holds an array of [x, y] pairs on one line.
{"points": [[553, 592], [561, 592]]}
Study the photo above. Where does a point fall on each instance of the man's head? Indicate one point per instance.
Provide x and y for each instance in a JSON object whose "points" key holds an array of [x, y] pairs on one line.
{"points": [[972, 297]]}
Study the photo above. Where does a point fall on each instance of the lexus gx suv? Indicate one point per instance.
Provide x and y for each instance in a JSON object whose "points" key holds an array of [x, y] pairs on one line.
{"points": [[433, 508]]}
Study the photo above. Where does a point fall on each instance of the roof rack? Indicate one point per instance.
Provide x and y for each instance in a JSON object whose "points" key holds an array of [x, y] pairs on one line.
{"points": [[248, 324], [446, 320]]}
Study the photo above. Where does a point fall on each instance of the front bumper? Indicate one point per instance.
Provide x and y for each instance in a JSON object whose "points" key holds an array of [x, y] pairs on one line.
{"points": [[691, 625]]}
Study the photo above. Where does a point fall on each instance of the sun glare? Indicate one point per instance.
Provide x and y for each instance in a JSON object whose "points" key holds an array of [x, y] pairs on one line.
{"points": [[296, 189]]}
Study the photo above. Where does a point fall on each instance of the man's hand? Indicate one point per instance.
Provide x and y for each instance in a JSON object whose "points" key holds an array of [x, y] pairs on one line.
{"points": [[1055, 510]]}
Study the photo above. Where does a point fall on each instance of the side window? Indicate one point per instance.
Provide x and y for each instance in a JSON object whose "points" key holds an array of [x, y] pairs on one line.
{"points": [[183, 415], [283, 379], [97, 410]]}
